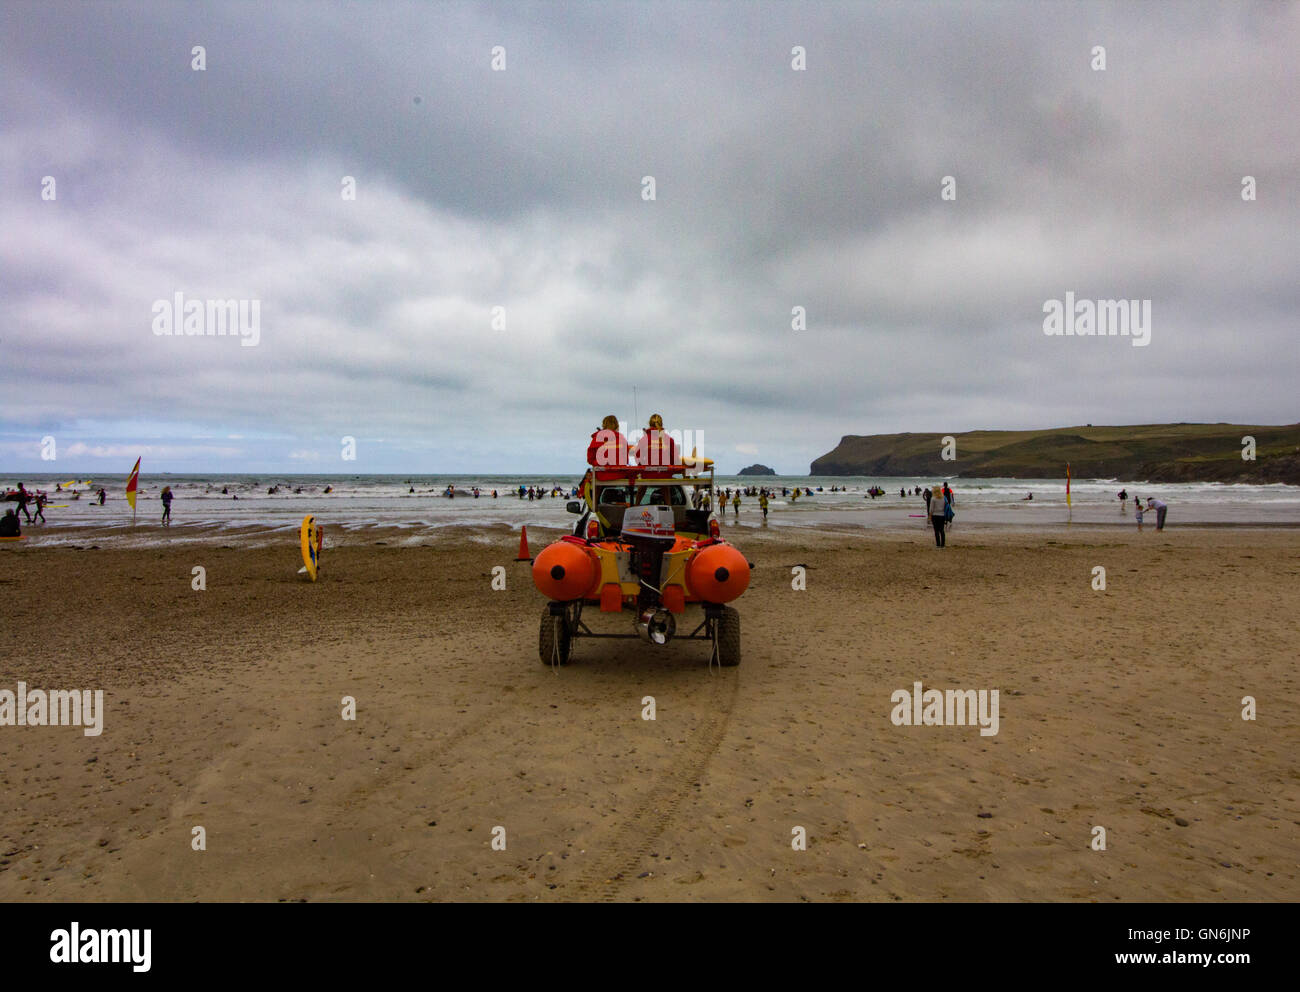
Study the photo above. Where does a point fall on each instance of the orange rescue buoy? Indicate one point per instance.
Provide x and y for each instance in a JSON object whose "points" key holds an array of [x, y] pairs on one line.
{"points": [[717, 574], [564, 571]]}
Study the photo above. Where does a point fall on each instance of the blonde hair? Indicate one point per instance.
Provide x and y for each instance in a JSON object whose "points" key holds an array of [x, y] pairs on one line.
{"points": [[610, 423], [937, 492], [656, 421]]}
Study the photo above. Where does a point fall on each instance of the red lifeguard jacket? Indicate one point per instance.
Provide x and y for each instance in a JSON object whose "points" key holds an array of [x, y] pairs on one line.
{"points": [[655, 452], [608, 450]]}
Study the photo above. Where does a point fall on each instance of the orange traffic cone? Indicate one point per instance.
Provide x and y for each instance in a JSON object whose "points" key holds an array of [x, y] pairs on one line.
{"points": [[523, 545]]}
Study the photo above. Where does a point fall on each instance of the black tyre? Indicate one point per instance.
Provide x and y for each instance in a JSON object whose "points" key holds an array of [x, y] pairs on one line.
{"points": [[729, 638], [554, 641]]}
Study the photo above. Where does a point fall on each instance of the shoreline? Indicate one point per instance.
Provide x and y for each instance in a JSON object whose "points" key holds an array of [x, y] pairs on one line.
{"points": [[78, 537]]}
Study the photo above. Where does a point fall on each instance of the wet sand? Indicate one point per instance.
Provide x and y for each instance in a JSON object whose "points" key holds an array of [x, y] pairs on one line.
{"points": [[1118, 708]]}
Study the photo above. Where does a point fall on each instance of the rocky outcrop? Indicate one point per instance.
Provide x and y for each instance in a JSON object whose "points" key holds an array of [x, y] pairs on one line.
{"points": [[1154, 452]]}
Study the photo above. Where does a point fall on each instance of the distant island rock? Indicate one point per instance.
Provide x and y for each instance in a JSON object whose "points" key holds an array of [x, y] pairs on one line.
{"points": [[756, 470], [1143, 452]]}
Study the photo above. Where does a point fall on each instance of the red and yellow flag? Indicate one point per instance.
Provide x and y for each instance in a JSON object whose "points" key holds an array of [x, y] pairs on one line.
{"points": [[1067, 483], [132, 483]]}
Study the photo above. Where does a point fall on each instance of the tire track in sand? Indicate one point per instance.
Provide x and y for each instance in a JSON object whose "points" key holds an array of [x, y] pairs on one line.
{"points": [[634, 838]]}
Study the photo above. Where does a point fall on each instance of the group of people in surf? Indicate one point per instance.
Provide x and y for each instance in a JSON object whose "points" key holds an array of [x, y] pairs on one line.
{"points": [[25, 498], [11, 526], [540, 492], [475, 491]]}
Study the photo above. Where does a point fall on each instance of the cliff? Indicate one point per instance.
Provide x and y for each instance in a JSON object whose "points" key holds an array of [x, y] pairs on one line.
{"points": [[1155, 452]]}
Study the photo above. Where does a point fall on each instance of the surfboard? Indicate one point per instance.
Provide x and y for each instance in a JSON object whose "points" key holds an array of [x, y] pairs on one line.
{"points": [[310, 537], [17, 538]]}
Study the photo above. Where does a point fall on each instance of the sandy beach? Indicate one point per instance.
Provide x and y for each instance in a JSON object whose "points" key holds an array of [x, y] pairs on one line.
{"points": [[1119, 708]]}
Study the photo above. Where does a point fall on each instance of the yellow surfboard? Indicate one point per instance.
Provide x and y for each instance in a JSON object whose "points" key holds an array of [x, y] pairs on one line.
{"points": [[311, 536]]}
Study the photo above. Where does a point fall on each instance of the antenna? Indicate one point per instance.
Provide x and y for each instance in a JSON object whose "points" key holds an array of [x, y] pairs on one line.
{"points": [[636, 417]]}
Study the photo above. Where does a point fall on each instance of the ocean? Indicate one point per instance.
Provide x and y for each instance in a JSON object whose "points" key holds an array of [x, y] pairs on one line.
{"points": [[363, 501]]}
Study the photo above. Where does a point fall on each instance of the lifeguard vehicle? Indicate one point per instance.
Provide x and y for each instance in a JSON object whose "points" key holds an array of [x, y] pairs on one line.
{"points": [[646, 546]]}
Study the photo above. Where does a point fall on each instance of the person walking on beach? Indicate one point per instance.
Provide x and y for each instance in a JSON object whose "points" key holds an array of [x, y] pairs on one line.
{"points": [[937, 518], [927, 501], [1137, 510], [762, 505], [167, 506], [735, 503], [23, 497], [1160, 508], [40, 507], [1123, 501]]}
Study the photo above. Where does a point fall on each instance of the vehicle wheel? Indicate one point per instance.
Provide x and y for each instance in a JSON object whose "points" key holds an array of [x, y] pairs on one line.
{"points": [[729, 638], [554, 641]]}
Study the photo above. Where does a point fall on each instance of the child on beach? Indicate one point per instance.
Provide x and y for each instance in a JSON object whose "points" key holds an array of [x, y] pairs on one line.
{"points": [[1137, 510]]}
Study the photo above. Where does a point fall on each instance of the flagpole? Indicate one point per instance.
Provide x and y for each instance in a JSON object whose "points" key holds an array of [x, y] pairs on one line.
{"points": [[132, 483]]}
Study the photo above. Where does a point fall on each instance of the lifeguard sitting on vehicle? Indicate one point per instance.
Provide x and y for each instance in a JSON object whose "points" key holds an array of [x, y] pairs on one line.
{"points": [[608, 450], [656, 450]]}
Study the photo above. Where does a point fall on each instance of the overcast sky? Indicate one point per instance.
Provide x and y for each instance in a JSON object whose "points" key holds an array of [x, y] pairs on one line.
{"points": [[523, 188]]}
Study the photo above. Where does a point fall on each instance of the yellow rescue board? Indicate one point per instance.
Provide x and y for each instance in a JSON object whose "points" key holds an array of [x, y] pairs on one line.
{"points": [[310, 538]]}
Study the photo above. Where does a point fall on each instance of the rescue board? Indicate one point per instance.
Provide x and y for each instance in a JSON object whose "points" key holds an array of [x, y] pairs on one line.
{"points": [[310, 537]]}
